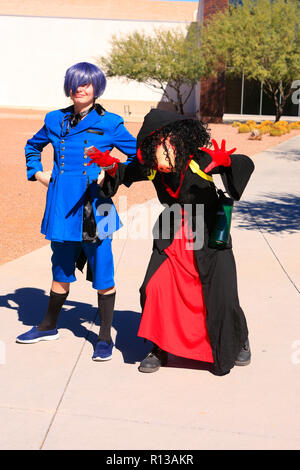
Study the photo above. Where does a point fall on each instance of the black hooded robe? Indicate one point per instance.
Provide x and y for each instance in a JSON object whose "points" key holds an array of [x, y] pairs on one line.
{"points": [[225, 320]]}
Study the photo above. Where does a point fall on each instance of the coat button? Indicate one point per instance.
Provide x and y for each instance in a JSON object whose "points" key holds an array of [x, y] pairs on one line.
{"points": [[84, 172], [85, 156], [85, 164], [63, 148], [62, 141], [61, 172], [85, 141], [62, 156], [62, 164]]}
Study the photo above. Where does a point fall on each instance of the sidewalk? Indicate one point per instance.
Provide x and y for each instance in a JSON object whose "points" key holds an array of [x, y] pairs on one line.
{"points": [[53, 396]]}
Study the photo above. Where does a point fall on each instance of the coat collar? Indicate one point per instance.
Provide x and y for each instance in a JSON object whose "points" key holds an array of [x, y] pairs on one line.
{"points": [[88, 121]]}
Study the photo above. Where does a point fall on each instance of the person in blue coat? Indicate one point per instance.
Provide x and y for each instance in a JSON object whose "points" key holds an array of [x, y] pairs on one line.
{"points": [[76, 218]]}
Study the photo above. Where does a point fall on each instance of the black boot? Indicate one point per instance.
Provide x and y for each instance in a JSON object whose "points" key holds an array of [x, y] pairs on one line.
{"points": [[155, 359], [244, 357]]}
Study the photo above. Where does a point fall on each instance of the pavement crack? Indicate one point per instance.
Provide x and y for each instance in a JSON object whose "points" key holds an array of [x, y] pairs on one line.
{"points": [[25, 409], [66, 387]]}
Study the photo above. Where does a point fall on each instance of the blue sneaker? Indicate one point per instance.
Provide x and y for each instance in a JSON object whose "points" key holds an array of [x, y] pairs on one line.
{"points": [[103, 351], [34, 336]]}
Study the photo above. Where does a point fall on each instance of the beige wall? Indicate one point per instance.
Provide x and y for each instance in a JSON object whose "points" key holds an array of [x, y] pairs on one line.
{"points": [[39, 48], [150, 10]]}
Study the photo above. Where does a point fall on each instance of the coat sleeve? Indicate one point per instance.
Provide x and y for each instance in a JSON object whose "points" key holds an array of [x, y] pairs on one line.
{"points": [[127, 173], [124, 141], [33, 151], [235, 177]]}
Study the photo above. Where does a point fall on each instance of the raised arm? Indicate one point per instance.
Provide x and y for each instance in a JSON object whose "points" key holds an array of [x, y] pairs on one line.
{"points": [[235, 169]]}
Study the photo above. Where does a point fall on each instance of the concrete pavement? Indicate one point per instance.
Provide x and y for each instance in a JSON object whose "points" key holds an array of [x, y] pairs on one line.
{"points": [[53, 396]]}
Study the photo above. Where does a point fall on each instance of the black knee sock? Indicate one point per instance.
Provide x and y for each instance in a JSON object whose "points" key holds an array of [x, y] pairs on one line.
{"points": [[106, 304], [55, 304]]}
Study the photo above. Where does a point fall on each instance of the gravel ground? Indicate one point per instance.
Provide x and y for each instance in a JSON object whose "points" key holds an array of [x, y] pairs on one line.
{"points": [[22, 202]]}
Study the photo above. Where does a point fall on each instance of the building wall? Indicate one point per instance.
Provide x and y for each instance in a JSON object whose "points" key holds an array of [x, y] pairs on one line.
{"points": [[42, 39], [145, 10]]}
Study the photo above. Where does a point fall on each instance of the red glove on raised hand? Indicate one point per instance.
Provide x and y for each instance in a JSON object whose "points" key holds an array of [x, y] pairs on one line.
{"points": [[104, 160], [220, 157]]}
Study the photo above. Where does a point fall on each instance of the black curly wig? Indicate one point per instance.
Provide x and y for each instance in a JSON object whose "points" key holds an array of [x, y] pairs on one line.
{"points": [[186, 136]]}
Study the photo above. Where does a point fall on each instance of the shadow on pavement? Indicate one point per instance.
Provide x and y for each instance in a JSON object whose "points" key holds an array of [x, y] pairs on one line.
{"points": [[133, 348], [292, 154], [31, 306], [272, 214]]}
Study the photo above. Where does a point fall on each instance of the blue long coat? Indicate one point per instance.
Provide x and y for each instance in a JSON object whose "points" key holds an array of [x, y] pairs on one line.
{"points": [[63, 217]]}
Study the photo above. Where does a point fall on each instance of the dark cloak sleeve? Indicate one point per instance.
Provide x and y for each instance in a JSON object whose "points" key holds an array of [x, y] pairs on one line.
{"points": [[126, 174], [235, 177]]}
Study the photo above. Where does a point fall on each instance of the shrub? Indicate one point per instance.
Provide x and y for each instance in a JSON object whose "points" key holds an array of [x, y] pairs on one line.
{"points": [[251, 124], [264, 129], [276, 131], [244, 128], [279, 125]]}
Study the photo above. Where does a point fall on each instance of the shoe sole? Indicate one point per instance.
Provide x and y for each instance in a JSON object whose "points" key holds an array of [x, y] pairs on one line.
{"points": [[37, 340], [242, 363], [101, 359], [148, 369]]}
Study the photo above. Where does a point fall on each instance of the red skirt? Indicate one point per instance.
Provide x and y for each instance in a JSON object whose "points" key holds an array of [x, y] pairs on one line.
{"points": [[174, 315]]}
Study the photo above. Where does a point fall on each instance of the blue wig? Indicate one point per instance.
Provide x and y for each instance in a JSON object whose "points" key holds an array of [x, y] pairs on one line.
{"points": [[84, 73]]}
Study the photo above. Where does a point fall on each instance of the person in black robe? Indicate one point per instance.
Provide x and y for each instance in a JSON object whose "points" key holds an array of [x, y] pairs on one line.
{"points": [[189, 297]]}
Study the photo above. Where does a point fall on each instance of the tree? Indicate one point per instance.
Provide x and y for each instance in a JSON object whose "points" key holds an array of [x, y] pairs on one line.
{"points": [[260, 38], [166, 60]]}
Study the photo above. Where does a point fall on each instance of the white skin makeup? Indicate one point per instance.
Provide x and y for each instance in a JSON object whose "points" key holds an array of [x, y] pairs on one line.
{"points": [[83, 98], [162, 159]]}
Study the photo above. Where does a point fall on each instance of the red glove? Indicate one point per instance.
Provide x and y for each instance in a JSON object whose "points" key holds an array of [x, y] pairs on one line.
{"points": [[104, 160], [220, 157]]}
